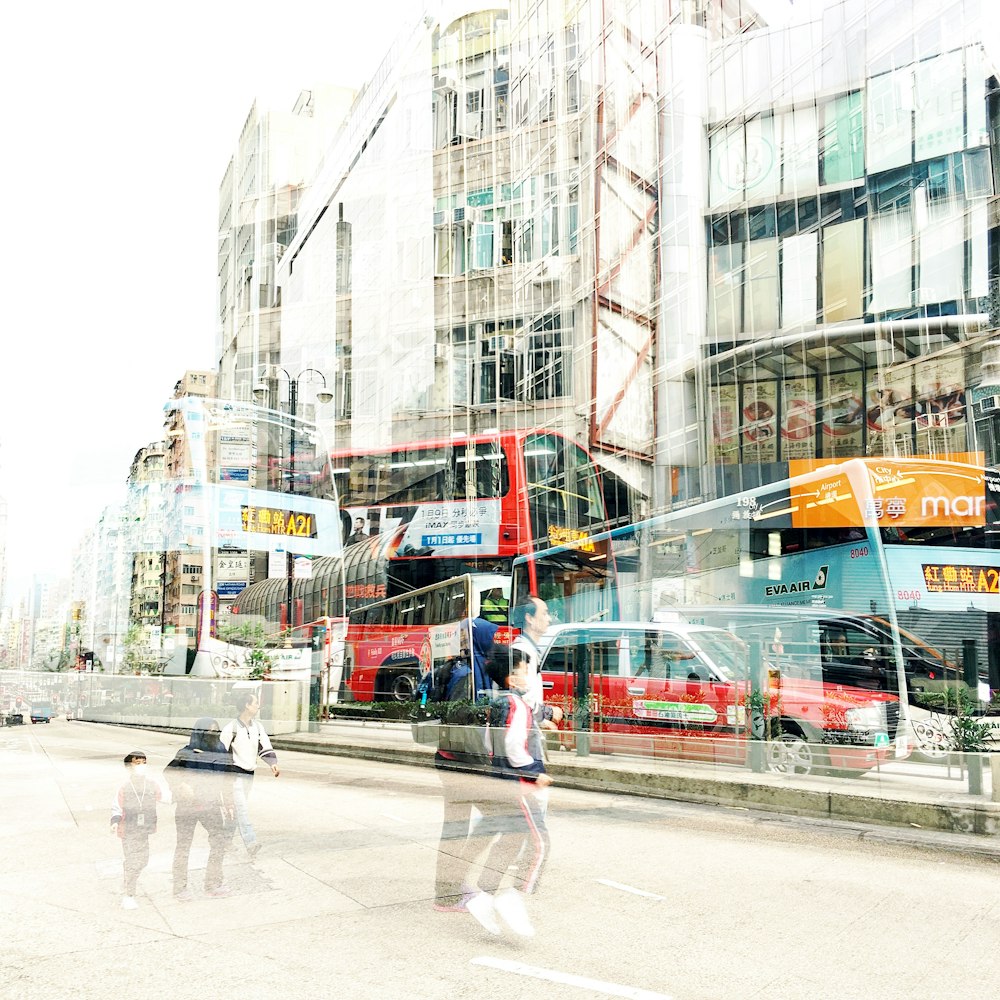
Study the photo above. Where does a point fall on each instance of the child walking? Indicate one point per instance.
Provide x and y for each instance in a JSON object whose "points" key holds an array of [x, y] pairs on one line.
{"points": [[512, 815], [133, 819]]}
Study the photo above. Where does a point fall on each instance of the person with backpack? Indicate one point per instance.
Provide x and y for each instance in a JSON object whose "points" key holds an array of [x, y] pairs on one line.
{"points": [[200, 779]]}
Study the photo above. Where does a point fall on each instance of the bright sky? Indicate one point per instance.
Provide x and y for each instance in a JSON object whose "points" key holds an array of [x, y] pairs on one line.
{"points": [[119, 120]]}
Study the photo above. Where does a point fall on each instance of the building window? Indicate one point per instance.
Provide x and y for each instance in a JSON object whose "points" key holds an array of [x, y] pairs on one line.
{"points": [[498, 361], [543, 362]]}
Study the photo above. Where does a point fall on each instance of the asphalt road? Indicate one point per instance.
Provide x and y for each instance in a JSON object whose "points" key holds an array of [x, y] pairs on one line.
{"points": [[641, 899]]}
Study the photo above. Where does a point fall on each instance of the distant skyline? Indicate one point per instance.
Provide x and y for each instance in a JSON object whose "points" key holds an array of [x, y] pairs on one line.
{"points": [[120, 121]]}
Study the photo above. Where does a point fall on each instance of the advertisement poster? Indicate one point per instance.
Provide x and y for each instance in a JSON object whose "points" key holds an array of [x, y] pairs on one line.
{"points": [[940, 393], [900, 493], [843, 414], [759, 426], [890, 410], [723, 406], [459, 528], [798, 418]]}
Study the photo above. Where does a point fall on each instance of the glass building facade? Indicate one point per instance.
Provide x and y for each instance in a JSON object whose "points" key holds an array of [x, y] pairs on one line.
{"points": [[702, 238]]}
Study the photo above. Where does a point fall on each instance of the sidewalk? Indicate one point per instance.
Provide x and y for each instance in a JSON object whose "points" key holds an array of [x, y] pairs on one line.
{"points": [[900, 794]]}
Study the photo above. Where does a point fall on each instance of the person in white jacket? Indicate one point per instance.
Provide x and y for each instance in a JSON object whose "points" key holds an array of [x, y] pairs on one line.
{"points": [[246, 740]]}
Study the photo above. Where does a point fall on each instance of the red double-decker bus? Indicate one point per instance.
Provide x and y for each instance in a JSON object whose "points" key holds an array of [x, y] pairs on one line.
{"points": [[417, 514]]}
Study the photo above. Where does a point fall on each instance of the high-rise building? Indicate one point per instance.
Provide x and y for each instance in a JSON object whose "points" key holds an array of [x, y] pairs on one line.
{"points": [[182, 532], [276, 155]]}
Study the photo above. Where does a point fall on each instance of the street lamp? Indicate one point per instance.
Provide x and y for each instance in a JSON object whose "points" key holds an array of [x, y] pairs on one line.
{"points": [[323, 396]]}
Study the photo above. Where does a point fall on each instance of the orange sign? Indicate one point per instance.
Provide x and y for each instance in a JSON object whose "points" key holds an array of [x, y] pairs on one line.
{"points": [[901, 493]]}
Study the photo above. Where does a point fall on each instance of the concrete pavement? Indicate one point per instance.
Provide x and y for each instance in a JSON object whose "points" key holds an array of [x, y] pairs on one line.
{"points": [[902, 795], [644, 898], [898, 794]]}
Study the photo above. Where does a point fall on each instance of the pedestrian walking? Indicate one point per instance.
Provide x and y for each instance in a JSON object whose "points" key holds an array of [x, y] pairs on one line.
{"points": [[246, 740], [512, 825], [200, 780], [133, 819]]}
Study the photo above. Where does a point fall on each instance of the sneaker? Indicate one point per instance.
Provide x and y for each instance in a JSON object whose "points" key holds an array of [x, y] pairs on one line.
{"points": [[460, 905], [184, 896], [509, 904], [220, 892], [481, 907], [129, 903], [253, 850]]}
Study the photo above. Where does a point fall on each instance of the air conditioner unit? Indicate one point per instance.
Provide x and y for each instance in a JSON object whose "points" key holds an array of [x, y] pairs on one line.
{"points": [[458, 215], [505, 342], [442, 352], [988, 405], [439, 218]]}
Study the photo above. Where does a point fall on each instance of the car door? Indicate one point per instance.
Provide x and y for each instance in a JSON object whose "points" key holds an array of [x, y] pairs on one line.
{"points": [[574, 677]]}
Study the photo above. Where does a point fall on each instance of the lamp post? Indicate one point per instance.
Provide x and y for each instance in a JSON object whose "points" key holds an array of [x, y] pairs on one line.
{"points": [[323, 396]]}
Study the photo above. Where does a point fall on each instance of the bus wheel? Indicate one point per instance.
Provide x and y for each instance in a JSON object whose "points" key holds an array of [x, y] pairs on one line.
{"points": [[402, 687], [791, 754]]}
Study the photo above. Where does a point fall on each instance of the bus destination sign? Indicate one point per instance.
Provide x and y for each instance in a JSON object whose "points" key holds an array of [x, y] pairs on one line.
{"points": [[954, 579], [570, 536], [270, 521]]}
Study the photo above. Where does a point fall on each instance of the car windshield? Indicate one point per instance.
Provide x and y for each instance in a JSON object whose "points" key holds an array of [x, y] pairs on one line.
{"points": [[724, 653]]}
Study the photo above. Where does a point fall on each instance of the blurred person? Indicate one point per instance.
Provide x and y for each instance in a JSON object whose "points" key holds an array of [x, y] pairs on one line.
{"points": [[511, 820], [464, 768], [246, 740], [200, 779], [494, 607], [133, 819], [835, 647], [531, 616], [483, 634]]}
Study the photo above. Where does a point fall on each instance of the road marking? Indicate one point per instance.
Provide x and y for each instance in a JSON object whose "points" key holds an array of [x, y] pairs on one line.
{"points": [[398, 819], [629, 888], [552, 976]]}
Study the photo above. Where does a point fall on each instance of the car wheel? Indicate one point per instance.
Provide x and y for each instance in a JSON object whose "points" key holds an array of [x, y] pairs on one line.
{"points": [[791, 754], [932, 740], [402, 687]]}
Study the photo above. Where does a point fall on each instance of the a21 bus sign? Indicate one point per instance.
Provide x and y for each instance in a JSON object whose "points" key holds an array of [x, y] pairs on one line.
{"points": [[270, 521], [953, 579]]}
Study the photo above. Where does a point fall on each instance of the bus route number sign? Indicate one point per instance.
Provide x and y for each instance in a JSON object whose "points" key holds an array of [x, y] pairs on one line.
{"points": [[270, 521], [949, 578]]}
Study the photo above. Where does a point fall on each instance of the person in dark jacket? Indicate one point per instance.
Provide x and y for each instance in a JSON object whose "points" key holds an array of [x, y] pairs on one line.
{"points": [[201, 782], [483, 634]]}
